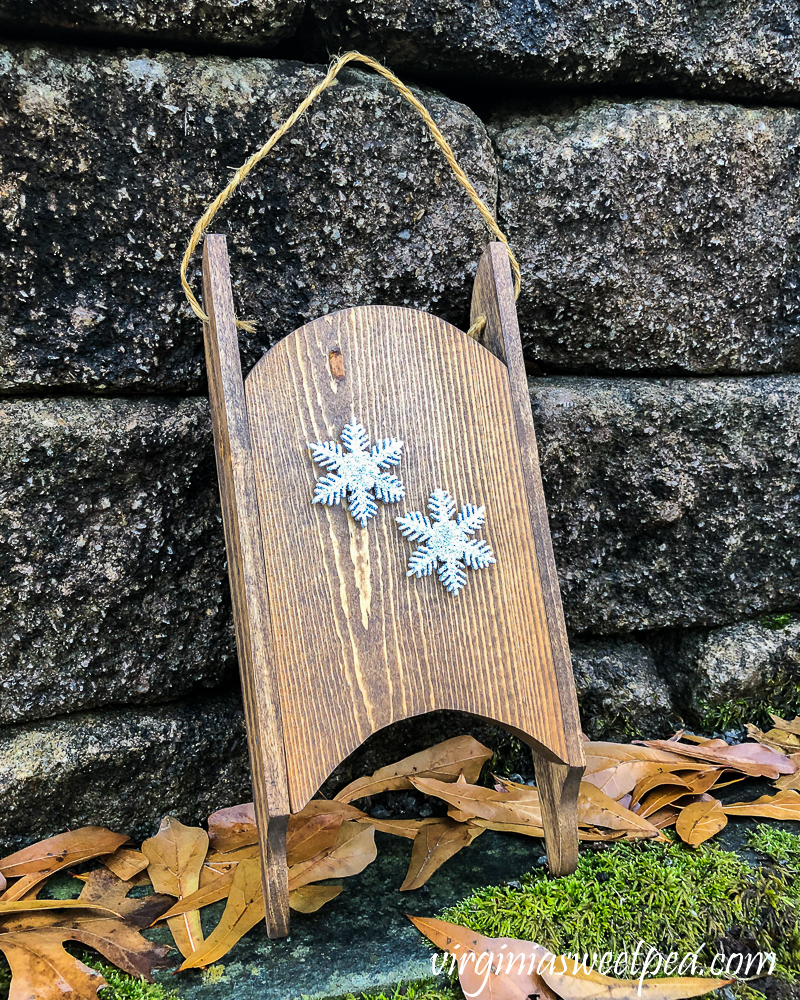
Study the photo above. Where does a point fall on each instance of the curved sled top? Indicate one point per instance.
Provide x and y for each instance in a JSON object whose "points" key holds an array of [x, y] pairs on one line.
{"points": [[356, 643]]}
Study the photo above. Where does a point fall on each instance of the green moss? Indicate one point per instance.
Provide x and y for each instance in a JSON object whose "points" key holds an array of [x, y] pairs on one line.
{"points": [[777, 621], [124, 987], [784, 701], [778, 845], [427, 989], [670, 897]]}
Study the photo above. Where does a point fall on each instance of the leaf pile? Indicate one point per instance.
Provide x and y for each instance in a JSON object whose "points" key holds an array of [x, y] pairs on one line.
{"points": [[33, 931], [629, 792]]}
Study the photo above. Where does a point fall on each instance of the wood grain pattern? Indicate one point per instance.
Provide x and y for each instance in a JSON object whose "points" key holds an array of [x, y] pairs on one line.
{"points": [[335, 641], [246, 571], [358, 644], [493, 297]]}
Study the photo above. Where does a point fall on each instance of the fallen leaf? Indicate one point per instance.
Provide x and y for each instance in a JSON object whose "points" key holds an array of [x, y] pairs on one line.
{"points": [[225, 862], [581, 985], [489, 968], [595, 808], [703, 780], [103, 888], [622, 778], [662, 796], [352, 855], [664, 817], [518, 806], [309, 898], [126, 862], [233, 827], [407, 828], [13, 906], [600, 756], [749, 758], [316, 806], [35, 863], [784, 805], [659, 779], [445, 761], [778, 738], [785, 725], [790, 780], [176, 856], [434, 844], [41, 968], [215, 890], [307, 837], [487, 824], [592, 833], [245, 908], [699, 821]]}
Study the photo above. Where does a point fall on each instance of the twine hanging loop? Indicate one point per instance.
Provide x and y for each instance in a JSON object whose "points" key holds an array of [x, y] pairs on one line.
{"points": [[244, 170]]}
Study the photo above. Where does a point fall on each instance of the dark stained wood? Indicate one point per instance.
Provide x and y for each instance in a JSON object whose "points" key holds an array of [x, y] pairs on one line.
{"points": [[358, 644], [335, 640], [246, 571], [493, 297]]}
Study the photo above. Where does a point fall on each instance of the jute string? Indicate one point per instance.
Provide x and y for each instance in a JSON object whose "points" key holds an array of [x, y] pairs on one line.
{"points": [[245, 169]]}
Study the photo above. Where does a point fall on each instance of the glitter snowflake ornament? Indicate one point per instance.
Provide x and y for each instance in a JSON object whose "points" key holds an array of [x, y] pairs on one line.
{"points": [[446, 541], [358, 473]]}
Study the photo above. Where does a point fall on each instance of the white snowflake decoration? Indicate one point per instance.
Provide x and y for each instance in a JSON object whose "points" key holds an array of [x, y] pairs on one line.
{"points": [[358, 473], [447, 542]]}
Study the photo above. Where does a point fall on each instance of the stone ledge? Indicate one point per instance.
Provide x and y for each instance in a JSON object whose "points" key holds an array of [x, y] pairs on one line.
{"points": [[743, 49], [122, 769], [736, 670], [261, 23]]}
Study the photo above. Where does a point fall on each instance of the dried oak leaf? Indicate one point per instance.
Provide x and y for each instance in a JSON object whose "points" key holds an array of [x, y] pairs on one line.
{"points": [[434, 844], [215, 890], [784, 805], [489, 968], [790, 780], [126, 863], [103, 888], [34, 864], [307, 837], [42, 969], [245, 908], [176, 856], [699, 821], [234, 827], [445, 761], [754, 759], [354, 851], [309, 898]]}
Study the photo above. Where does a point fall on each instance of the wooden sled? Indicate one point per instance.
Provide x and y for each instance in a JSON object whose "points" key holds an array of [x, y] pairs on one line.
{"points": [[335, 641]]}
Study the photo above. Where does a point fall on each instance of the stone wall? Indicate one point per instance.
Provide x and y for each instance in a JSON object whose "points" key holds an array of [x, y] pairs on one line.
{"points": [[652, 193]]}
